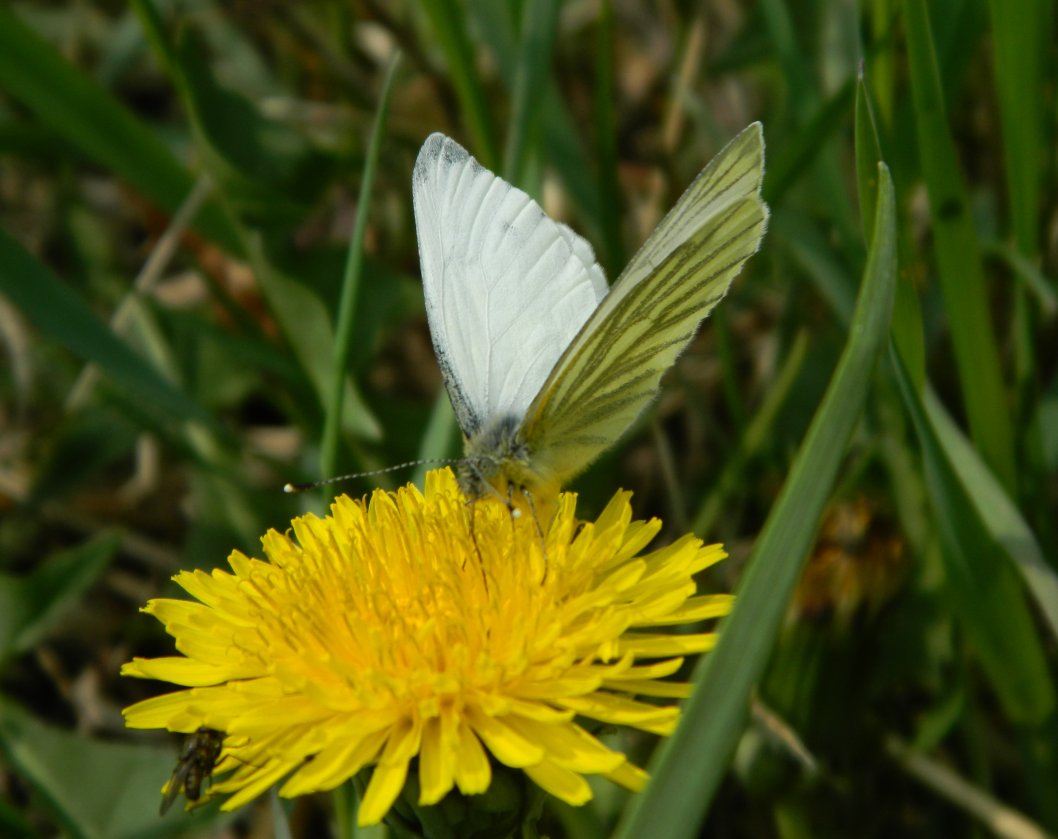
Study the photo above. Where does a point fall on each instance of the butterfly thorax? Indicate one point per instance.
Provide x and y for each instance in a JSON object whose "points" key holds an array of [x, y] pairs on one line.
{"points": [[498, 462]]}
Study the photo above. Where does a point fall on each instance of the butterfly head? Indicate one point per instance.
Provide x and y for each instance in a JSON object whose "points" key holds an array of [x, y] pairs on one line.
{"points": [[497, 462]]}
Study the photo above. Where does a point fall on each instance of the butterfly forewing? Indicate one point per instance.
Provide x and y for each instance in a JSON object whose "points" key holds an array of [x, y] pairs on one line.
{"points": [[488, 255], [613, 368], [735, 173]]}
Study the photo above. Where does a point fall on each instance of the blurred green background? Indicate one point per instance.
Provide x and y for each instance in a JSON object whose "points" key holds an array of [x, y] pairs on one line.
{"points": [[181, 311]]}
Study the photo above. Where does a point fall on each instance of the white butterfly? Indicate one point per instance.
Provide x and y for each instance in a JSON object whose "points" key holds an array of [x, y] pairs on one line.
{"points": [[545, 366]]}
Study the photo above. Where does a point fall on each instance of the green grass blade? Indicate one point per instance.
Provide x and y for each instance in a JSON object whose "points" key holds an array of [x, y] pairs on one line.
{"points": [[882, 62], [31, 604], [89, 119], [868, 153], [907, 314], [343, 337], [64, 318], [447, 19], [753, 437], [804, 240], [1019, 32], [439, 439], [306, 324], [997, 511], [534, 58], [613, 258], [798, 78], [560, 134], [692, 762], [267, 172], [985, 591], [810, 120], [95, 789], [1034, 282], [793, 159], [959, 265]]}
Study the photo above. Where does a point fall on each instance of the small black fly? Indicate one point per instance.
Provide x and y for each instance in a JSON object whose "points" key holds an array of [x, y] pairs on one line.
{"points": [[197, 762]]}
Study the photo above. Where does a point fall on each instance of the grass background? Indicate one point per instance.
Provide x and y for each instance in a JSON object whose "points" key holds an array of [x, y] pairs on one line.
{"points": [[209, 286]]}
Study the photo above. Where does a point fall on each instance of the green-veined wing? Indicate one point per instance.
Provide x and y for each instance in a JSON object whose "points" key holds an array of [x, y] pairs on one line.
{"points": [[613, 368]]}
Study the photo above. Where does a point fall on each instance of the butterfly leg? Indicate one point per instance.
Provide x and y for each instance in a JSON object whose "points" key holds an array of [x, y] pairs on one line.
{"points": [[472, 504], [539, 529]]}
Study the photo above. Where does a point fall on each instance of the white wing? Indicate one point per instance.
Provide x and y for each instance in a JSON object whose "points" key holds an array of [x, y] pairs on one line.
{"points": [[506, 287]]}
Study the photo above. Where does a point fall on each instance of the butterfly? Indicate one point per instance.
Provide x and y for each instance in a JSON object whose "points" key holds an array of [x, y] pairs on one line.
{"points": [[545, 365]]}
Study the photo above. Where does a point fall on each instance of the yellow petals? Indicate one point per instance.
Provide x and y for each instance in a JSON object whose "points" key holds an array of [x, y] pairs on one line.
{"points": [[416, 627], [564, 784], [472, 770]]}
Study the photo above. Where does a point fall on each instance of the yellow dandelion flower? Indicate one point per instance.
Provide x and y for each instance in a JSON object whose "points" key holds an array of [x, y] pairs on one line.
{"points": [[396, 629]]}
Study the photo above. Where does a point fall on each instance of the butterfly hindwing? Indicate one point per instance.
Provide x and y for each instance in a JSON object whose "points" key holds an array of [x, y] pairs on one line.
{"points": [[612, 369]]}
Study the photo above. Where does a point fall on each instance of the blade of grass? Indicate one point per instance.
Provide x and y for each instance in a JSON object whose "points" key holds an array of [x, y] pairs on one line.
{"points": [[560, 135], [1032, 279], [793, 159], [94, 789], [147, 278], [868, 152], [753, 437], [31, 604], [689, 765], [267, 172], [1019, 30], [539, 21], [306, 324], [343, 337], [1002, 820], [245, 177], [280, 816], [986, 593], [962, 277], [998, 512], [804, 241], [447, 20], [907, 314], [827, 177], [437, 441], [606, 143], [64, 318], [89, 119], [883, 60]]}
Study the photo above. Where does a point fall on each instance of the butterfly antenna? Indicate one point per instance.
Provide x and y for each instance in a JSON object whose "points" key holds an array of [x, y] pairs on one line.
{"points": [[304, 487]]}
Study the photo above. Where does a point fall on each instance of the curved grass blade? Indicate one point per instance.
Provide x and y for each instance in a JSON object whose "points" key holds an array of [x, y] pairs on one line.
{"points": [[691, 763], [30, 605], [92, 121], [560, 137], [448, 22], [907, 314], [977, 525], [94, 789], [1019, 36], [539, 20], [962, 278], [800, 152], [64, 318], [343, 337], [606, 143], [997, 511], [753, 437]]}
